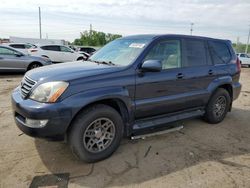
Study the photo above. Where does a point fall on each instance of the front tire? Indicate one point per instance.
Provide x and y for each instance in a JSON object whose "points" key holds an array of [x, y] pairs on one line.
{"points": [[218, 106], [34, 65], [96, 133]]}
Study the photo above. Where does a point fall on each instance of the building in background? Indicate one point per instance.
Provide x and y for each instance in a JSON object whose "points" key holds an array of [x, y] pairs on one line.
{"points": [[37, 41], [4, 41]]}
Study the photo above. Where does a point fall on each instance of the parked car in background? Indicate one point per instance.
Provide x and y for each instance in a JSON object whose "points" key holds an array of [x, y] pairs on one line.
{"points": [[244, 59], [22, 47], [88, 50], [12, 60], [57, 53], [131, 85]]}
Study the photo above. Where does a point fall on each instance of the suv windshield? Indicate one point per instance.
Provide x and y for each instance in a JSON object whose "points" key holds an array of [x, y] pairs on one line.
{"points": [[121, 52]]}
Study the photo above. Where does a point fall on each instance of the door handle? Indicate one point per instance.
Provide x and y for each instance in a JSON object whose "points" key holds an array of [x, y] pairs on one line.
{"points": [[179, 76], [210, 72]]}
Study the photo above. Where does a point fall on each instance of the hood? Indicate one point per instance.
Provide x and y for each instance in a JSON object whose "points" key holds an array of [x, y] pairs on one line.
{"points": [[69, 71]]}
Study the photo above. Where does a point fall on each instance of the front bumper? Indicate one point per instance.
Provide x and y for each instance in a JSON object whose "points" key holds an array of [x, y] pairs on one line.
{"points": [[58, 115]]}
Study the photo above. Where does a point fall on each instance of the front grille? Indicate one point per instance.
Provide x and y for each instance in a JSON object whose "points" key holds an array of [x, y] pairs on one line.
{"points": [[26, 85]]}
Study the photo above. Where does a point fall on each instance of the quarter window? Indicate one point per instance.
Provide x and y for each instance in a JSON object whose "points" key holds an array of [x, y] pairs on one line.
{"points": [[168, 52], [51, 48], [220, 52], [195, 53]]}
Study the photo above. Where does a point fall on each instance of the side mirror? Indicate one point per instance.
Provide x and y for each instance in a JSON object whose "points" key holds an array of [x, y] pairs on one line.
{"points": [[151, 66], [18, 54]]}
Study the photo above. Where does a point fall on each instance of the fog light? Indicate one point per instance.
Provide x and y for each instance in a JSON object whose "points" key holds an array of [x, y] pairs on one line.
{"points": [[34, 123]]}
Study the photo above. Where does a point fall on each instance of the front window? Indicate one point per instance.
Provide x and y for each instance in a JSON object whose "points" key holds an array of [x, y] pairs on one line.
{"points": [[65, 49], [121, 52], [6, 51]]}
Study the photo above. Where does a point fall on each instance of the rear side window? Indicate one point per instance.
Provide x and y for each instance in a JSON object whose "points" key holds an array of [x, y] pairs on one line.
{"points": [[51, 48], [195, 51], [19, 46], [220, 52]]}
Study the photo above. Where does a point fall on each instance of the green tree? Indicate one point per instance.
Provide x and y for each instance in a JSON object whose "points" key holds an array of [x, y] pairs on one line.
{"points": [[240, 48], [95, 38]]}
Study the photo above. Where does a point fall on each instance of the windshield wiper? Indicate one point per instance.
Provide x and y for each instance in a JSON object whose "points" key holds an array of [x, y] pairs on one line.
{"points": [[102, 62]]}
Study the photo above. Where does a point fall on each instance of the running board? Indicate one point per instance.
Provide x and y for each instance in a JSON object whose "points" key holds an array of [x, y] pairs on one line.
{"points": [[159, 121], [143, 136]]}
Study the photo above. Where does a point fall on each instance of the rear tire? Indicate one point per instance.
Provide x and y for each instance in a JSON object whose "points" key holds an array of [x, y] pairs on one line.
{"points": [[218, 106], [96, 133]]}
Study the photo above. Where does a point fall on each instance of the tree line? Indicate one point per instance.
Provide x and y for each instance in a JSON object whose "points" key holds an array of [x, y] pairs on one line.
{"points": [[240, 48], [95, 38]]}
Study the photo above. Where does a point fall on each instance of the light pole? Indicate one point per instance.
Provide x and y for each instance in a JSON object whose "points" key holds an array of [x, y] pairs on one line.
{"points": [[247, 40], [191, 29], [40, 27]]}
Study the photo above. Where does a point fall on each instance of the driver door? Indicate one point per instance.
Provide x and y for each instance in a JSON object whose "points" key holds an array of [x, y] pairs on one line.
{"points": [[67, 54], [9, 60], [161, 92]]}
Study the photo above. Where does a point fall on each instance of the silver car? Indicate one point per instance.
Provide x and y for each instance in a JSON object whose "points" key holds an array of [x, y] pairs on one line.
{"points": [[12, 60]]}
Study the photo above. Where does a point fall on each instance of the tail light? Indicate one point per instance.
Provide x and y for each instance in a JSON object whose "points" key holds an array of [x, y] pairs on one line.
{"points": [[33, 50], [238, 64]]}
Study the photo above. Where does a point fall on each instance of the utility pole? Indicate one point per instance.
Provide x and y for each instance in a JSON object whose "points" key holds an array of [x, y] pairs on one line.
{"points": [[247, 40], [191, 29], [40, 29], [90, 30]]}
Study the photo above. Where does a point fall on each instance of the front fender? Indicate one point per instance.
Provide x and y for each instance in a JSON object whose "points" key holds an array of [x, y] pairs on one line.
{"points": [[82, 99]]}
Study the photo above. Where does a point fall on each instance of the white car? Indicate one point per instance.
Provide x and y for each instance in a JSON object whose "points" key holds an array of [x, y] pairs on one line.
{"points": [[244, 59], [22, 47], [56, 53]]}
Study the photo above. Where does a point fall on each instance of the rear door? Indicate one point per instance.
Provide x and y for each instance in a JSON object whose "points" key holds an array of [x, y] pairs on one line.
{"points": [[198, 72]]}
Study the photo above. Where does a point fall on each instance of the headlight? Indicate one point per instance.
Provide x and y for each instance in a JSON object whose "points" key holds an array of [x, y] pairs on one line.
{"points": [[49, 92]]}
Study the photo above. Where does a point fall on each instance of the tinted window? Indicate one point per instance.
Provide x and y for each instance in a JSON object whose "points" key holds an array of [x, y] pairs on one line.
{"points": [[220, 52], [51, 48], [20, 46], [88, 50], [242, 55], [27, 46], [195, 51], [65, 49], [168, 52], [6, 51]]}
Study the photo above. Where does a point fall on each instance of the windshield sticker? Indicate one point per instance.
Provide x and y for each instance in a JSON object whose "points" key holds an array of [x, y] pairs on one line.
{"points": [[136, 45]]}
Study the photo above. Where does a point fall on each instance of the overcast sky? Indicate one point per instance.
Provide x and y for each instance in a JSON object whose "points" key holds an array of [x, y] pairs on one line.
{"points": [[65, 19]]}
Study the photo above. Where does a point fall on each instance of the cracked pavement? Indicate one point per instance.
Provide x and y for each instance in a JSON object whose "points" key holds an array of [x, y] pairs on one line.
{"points": [[199, 155]]}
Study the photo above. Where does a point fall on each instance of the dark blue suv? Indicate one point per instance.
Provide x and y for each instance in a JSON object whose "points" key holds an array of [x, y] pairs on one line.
{"points": [[132, 85]]}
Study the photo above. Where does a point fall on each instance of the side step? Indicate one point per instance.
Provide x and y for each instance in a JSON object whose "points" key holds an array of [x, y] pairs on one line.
{"points": [[159, 121], [143, 136]]}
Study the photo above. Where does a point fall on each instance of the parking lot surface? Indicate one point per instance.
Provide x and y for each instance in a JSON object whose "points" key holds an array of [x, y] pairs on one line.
{"points": [[199, 155]]}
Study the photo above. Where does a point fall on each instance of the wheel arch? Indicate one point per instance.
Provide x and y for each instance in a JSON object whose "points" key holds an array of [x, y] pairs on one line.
{"points": [[118, 104], [32, 63]]}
